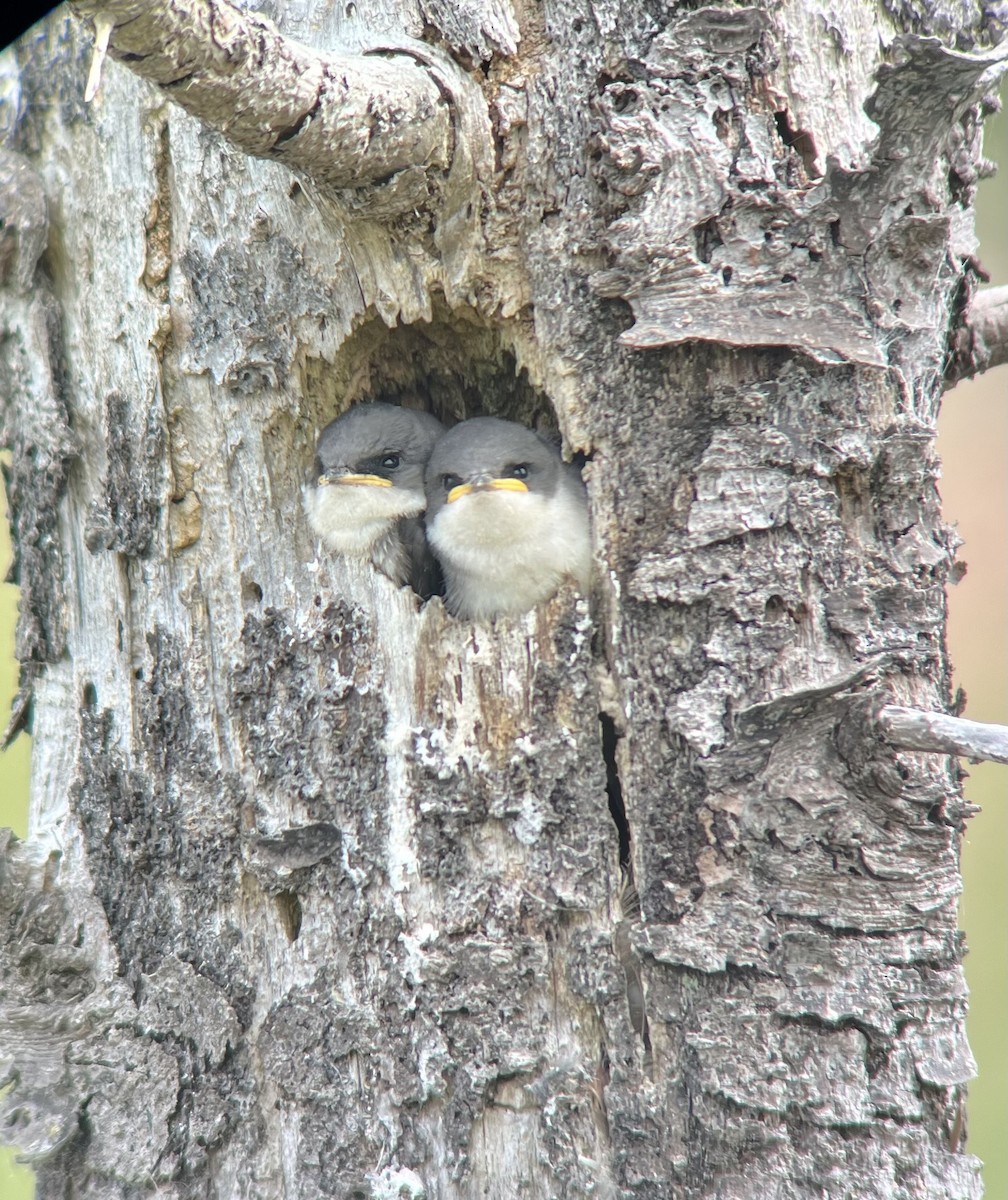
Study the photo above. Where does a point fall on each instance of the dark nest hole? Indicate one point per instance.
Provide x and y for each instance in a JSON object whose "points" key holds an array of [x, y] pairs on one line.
{"points": [[453, 366]]}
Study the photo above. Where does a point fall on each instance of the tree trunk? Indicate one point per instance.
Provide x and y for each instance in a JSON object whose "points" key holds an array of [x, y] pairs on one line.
{"points": [[331, 894]]}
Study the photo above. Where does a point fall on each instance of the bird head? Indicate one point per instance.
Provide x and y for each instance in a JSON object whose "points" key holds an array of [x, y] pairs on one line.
{"points": [[487, 456], [376, 445], [368, 474]]}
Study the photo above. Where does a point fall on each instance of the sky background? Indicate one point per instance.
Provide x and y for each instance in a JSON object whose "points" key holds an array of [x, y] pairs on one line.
{"points": [[973, 444]]}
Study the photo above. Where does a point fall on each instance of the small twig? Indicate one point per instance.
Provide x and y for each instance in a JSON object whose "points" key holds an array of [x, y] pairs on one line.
{"points": [[932, 732], [103, 31], [345, 120], [982, 343]]}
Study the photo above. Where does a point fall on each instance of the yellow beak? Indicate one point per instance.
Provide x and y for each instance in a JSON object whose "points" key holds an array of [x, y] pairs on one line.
{"points": [[491, 485], [365, 480]]}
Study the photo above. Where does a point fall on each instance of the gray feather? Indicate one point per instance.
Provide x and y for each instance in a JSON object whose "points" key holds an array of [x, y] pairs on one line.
{"points": [[382, 524], [504, 550]]}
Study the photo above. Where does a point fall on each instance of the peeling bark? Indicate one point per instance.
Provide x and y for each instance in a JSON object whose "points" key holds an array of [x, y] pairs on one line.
{"points": [[331, 894]]}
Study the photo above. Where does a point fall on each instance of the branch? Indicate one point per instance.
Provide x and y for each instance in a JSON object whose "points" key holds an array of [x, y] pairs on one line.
{"points": [[912, 729], [982, 343], [345, 120], [988, 318]]}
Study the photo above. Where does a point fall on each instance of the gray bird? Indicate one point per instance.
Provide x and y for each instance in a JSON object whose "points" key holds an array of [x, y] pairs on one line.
{"points": [[507, 518], [365, 498]]}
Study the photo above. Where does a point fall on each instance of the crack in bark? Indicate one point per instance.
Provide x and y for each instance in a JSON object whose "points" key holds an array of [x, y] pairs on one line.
{"points": [[288, 908], [292, 131], [629, 900], [614, 790]]}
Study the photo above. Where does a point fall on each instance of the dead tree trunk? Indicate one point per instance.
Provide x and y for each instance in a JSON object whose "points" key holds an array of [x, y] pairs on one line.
{"points": [[330, 894]]}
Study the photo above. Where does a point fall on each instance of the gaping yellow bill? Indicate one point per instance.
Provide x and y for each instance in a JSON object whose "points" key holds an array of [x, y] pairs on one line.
{"points": [[366, 480], [491, 485]]}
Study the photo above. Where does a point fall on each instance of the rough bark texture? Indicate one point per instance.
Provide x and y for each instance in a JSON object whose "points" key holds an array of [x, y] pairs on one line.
{"points": [[324, 895], [982, 342], [346, 120], [912, 729]]}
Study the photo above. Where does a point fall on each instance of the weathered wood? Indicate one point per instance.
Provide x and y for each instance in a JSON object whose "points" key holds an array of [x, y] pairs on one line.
{"points": [[940, 733], [982, 343], [345, 120], [330, 894]]}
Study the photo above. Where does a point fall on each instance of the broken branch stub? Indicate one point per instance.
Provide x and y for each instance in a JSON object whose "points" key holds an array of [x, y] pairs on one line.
{"points": [[344, 120], [939, 733], [982, 341]]}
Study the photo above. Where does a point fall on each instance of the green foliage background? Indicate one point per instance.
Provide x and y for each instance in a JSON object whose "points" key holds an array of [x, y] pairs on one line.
{"points": [[16, 1182], [973, 443]]}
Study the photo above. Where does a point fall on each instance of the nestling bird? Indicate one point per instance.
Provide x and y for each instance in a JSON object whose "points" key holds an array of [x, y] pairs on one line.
{"points": [[507, 518], [365, 497]]}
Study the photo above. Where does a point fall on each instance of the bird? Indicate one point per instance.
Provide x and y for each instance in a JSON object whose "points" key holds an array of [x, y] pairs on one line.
{"points": [[506, 518], [365, 495]]}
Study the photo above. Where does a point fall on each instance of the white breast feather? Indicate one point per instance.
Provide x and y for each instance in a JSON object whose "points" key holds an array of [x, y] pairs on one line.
{"points": [[350, 518], [506, 552]]}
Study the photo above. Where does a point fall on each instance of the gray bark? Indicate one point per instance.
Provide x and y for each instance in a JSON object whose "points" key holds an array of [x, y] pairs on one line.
{"points": [[982, 343], [930, 731], [324, 893], [346, 120]]}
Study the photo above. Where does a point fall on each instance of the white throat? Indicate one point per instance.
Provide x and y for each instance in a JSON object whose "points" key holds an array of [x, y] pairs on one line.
{"points": [[350, 519], [506, 552]]}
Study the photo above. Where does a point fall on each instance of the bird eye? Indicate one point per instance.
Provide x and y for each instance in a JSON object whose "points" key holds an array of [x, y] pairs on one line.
{"points": [[520, 471], [450, 481], [391, 461]]}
